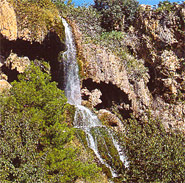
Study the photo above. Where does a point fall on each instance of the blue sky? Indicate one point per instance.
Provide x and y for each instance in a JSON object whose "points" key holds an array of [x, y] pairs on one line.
{"points": [[150, 2]]}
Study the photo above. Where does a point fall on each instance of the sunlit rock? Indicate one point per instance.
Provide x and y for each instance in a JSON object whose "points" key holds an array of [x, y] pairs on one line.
{"points": [[4, 86], [8, 22], [18, 63]]}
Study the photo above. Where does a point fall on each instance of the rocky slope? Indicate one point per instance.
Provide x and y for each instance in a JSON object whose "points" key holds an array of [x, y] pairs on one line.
{"points": [[149, 76], [29, 31], [137, 72]]}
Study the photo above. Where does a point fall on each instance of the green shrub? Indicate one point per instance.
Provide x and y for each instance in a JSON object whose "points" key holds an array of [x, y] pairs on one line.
{"points": [[113, 35], [165, 6], [114, 12], [39, 17], [35, 133], [154, 154]]}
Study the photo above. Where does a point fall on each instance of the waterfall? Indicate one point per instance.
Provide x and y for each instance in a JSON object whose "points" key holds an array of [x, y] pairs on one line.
{"points": [[84, 118], [71, 79]]}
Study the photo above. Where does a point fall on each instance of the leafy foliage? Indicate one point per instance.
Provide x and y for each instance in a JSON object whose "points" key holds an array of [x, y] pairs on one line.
{"points": [[88, 18], [38, 16], [36, 140], [165, 6], [114, 12], [154, 155]]}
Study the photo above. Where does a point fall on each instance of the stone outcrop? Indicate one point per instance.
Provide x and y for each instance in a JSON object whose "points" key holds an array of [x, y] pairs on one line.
{"points": [[155, 81], [29, 22], [3, 76], [4, 86], [161, 45], [104, 66], [172, 116], [169, 67], [143, 93], [8, 21], [93, 96], [110, 119], [101, 65], [18, 63], [29, 31]]}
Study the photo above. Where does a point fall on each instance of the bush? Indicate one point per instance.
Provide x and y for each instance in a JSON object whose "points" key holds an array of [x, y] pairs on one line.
{"points": [[114, 12], [39, 17], [154, 155], [165, 6], [35, 138]]}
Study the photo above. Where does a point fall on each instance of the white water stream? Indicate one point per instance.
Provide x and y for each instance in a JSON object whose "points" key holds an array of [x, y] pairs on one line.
{"points": [[84, 118]]}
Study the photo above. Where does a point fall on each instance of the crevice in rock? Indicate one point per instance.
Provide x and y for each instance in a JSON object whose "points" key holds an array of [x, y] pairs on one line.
{"points": [[12, 74], [111, 95], [48, 51], [152, 83], [155, 85]]}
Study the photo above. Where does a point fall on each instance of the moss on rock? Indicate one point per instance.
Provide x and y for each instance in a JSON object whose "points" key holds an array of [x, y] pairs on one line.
{"points": [[36, 18]]}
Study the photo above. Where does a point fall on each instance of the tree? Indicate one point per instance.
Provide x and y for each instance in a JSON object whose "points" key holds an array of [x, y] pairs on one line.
{"points": [[35, 136], [115, 11], [154, 154]]}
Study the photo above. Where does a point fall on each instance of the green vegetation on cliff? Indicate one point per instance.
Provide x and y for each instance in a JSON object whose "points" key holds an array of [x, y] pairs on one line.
{"points": [[115, 13], [38, 17], [154, 155], [37, 143], [37, 140]]}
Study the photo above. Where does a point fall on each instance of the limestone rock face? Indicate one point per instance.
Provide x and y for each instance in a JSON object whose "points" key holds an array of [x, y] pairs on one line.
{"points": [[143, 92], [155, 79], [172, 116], [104, 66], [4, 85], [3, 76], [110, 119], [28, 21], [18, 63], [160, 27], [101, 65], [93, 96], [161, 45], [170, 65], [8, 22]]}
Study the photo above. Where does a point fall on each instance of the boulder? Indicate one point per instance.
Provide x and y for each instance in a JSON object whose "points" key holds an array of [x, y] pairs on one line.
{"points": [[8, 22], [93, 96], [110, 119], [18, 63], [4, 85]]}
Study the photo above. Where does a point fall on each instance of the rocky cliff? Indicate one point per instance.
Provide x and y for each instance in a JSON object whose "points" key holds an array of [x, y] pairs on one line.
{"points": [[150, 76], [137, 70], [8, 22], [133, 79], [29, 31]]}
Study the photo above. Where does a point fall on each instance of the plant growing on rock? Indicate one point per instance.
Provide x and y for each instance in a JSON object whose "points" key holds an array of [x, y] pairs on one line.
{"points": [[114, 12], [37, 17], [154, 154], [165, 6], [36, 138]]}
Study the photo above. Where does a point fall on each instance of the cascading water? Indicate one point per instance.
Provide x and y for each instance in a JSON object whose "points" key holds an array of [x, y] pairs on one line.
{"points": [[71, 79], [84, 118]]}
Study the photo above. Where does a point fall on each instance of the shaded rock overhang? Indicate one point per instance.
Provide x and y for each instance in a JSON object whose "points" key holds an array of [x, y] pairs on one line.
{"points": [[48, 51], [111, 95]]}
